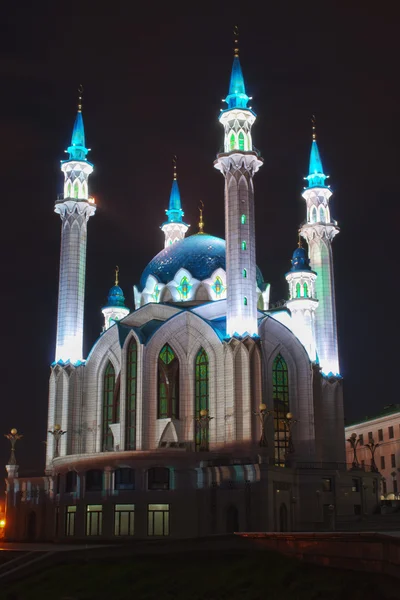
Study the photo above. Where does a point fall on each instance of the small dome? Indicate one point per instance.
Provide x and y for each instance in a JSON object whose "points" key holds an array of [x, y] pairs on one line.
{"points": [[116, 297], [201, 254], [300, 260]]}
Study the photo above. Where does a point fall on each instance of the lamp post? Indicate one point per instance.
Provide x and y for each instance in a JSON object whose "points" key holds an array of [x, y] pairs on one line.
{"points": [[263, 415], [203, 421], [57, 433], [13, 437], [372, 448], [353, 441], [289, 423]]}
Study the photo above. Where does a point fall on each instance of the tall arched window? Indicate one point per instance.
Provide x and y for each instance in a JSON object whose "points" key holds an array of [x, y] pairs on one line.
{"points": [[131, 387], [76, 189], [245, 301], [110, 405], [232, 142], [241, 141], [305, 288], [201, 398], [84, 190], [313, 215], [69, 189], [168, 384], [280, 389], [297, 290], [243, 219], [321, 214], [244, 245]]}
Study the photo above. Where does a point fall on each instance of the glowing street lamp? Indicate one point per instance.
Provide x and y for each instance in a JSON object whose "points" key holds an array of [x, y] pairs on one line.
{"points": [[203, 421], [57, 433], [353, 441], [13, 437], [263, 415], [372, 448]]}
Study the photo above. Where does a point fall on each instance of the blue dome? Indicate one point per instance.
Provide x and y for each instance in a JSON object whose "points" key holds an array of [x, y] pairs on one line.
{"points": [[116, 297], [201, 254], [300, 260]]}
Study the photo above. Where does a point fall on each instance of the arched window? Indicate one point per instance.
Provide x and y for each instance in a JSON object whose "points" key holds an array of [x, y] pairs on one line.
{"points": [[305, 288], [280, 389], [124, 479], [321, 214], [313, 215], [76, 189], [244, 245], [131, 387], [232, 142], [84, 190], [218, 286], [297, 290], [69, 189], [201, 399], [245, 301], [71, 481], [241, 141], [184, 288], [243, 219], [94, 480], [110, 405], [158, 478], [244, 273], [168, 384]]}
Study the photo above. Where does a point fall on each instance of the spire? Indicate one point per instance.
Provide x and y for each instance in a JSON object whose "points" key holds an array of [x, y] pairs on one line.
{"points": [[115, 309], [77, 149], [237, 97], [316, 177], [201, 222], [175, 212]]}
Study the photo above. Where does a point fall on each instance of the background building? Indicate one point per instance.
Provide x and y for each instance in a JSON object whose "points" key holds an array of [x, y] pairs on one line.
{"points": [[203, 410]]}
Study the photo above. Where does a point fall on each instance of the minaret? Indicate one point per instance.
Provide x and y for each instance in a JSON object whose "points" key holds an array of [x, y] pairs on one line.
{"points": [[74, 207], [174, 229], [238, 163], [302, 299], [319, 231], [115, 310]]}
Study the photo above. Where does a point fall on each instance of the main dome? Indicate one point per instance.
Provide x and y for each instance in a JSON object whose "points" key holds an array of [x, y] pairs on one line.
{"points": [[201, 254]]}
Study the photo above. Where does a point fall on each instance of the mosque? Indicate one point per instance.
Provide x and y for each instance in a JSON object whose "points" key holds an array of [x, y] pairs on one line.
{"points": [[204, 410]]}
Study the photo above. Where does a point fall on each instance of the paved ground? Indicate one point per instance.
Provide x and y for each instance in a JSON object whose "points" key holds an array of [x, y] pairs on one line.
{"points": [[29, 547]]}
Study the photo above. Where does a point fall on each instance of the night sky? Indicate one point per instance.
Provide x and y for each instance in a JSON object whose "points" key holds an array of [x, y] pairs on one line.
{"points": [[153, 87]]}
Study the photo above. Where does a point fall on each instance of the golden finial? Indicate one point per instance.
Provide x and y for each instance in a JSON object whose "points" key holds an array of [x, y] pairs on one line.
{"points": [[116, 274], [174, 160], [314, 124], [80, 92], [201, 222], [236, 40], [299, 241]]}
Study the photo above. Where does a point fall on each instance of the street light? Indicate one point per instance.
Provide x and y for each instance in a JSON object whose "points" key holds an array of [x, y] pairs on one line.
{"points": [[353, 441], [263, 415], [57, 433], [372, 448], [13, 437], [203, 421]]}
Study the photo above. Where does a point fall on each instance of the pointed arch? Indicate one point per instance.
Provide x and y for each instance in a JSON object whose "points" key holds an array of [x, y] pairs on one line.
{"points": [[305, 288], [110, 404], [84, 190], [76, 189], [313, 214], [69, 189], [241, 140], [322, 216], [202, 401], [280, 389], [168, 384], [244, 273], [298, 290], [232, 142], [131, 395]]}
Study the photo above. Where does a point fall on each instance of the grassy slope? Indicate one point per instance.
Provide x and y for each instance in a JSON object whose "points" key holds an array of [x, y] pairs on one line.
{"points": [[202, 576]]}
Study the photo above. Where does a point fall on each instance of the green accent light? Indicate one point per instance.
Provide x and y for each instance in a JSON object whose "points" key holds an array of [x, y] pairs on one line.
{"points": [[245, 301], [244, 245], [184, 288], [241, 141], [243, 220], [218, 286]]}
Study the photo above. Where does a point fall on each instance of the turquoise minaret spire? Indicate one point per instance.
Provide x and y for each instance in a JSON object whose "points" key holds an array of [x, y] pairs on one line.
{"points": [[174, 229], [77, 150], [237, 97], [316, 176]]}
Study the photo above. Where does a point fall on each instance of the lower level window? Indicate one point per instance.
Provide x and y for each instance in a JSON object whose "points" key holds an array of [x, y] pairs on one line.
{"points": [[124, 516], [94, 519], [70, 520], [158, 523]]}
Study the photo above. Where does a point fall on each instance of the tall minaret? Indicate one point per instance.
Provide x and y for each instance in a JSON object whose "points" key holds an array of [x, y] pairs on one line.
{"points": [[302, 299], [319, 231], [74, 208], [174, 229], [238, 163]]}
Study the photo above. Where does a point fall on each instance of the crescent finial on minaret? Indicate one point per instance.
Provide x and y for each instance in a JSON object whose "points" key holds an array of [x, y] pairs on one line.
{"points": [[201, 222], [80, 94], [236, 40], [116, 274], [314, 127], [174, 160]]}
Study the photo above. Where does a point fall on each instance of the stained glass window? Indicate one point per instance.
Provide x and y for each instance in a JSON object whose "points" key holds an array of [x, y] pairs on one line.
{"points": [[313, 215], [131, 386], [244, 245], [321, 214], [305, 287], [218, 286], [110, 405], [168, 384], [241, 141], [244, 273], [245, 301], [76, 190], [297, 290], [243, 219], [184, 288], [280, 385], [201, 395], [232, 142], [69, 188]]}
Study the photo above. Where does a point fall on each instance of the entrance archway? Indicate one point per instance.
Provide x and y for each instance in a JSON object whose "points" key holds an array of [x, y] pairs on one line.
{"points": [[283, 518], [232, 519]]}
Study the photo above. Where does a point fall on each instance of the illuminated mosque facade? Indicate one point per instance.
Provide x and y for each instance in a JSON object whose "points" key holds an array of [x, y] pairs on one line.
{"points": [[204, 410]]}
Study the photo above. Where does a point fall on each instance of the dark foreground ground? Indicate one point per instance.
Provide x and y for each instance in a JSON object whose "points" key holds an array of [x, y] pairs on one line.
{"points": [[201, 576]]}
